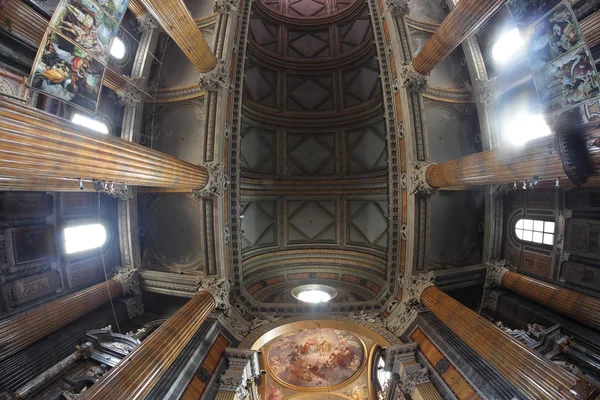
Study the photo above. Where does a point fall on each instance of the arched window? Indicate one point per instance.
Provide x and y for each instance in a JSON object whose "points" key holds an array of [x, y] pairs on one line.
{"points": [[118, 49], [84, 237], [535, 230], [383, 376]]}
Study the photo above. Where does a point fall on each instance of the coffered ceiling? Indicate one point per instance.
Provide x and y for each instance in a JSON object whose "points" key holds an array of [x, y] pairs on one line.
{"points": [[313, 156]]}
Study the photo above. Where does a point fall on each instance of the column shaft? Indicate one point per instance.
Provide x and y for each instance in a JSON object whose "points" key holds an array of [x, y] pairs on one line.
{"points": [[590, 28], [35, 144], [135, 376], [176, 20], [24, 329], [531, 373], [466, 18], [425, 391], [577, 306]]}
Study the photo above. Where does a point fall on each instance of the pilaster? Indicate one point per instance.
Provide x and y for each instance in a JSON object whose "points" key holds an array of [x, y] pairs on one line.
{"points": [[243, 369]]}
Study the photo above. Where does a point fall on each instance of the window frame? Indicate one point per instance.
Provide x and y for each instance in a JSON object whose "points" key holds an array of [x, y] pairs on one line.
{"points": [[548, 228], [78, 223]]}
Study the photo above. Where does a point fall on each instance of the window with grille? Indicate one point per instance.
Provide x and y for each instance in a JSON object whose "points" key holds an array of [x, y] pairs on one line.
{"points": [[535, 231]]}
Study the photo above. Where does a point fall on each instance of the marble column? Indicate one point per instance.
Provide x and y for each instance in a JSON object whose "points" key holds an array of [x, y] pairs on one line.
{"points": [[135, 376], [463, 21], [38, 145], [22, 330], [528, 371], [175, 18], [577, 306]]}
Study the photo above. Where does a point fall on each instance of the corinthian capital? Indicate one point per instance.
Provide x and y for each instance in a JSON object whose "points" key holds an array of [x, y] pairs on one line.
{"points": [[418, 177], [128, 278], [225, 6], [130, 93], [495, 272], [398, 7], [146, 22], [219, 289], [218, 181], [411, 79], [215, 78], [418, 284]]}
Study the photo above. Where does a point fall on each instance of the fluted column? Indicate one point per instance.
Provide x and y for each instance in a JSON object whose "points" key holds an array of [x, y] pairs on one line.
{"points": [[425, 391], [466, 18], [135, 376], [531, 373], [35, 144], [577, 306], [590, 28], [174, 17], [24, 329]]}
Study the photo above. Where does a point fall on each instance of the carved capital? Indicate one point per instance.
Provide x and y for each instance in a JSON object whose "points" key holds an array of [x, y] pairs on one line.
{"points": [[218, 181], [412, 378], [418, 177], [219, 289], [129, 94], [418, 284], [411, 79], [243, 368], [495, 273], [215, 78], [398, 7], [486, 89], [146, 22], [128, 278], [225, 6]]}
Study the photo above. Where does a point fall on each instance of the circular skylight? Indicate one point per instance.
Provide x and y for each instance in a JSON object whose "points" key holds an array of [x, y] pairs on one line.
{"points": [[314, 294], [117, 49]]}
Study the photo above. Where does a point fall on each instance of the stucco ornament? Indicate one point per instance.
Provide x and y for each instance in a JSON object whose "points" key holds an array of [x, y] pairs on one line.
{"points": [[398, 7], [225, 6], [411, 379], [411, 79], [418, 177], [411, 303], [215, 78], [146, 22], [130, 93], [263, 319], [219, 289], [486, 89], [218, 181], [127, 276]]}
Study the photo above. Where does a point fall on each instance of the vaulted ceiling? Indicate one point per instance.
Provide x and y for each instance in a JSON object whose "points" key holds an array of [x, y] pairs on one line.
{"points": [[313, 156]]}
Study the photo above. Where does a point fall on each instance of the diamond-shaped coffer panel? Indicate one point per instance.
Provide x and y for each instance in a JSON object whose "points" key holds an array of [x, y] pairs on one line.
{"points": [[309, 95], [307, 7], [308, 45], [311, 221]]}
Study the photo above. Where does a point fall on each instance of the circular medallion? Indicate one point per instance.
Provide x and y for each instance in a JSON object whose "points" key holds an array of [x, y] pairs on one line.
{"points": [[316, 358]]}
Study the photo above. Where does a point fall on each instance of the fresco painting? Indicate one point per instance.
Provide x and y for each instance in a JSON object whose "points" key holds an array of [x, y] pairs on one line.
{"points": [[66, 72], [556, 34], [316, 358], [567, 81], [526, 12]]}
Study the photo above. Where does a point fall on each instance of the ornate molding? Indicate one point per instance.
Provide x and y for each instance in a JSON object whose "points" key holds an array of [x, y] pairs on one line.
{"points": [[218, 181], [215, 78], [127, 276], [495, 273], [134, 306], [234, 322], [486, 90], [225, 6], [218, 288], [243, 367], [417, 285], [146, 22], [490, 299], [411, 303], [412, 378], [130, 94], [418, 177], [398, 7], [411, 79]]}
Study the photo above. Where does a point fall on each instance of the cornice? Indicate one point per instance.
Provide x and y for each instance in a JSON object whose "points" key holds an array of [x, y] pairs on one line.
{"points": [[273, 186], [354, 57], [266, 115], [350, 12], [421, 26], [374, 275], [364, 292], [449, 95], [341, 256]]}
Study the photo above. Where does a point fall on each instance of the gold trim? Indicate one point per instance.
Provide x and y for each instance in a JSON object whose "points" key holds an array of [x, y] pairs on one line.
{"points": [[340, 385]]}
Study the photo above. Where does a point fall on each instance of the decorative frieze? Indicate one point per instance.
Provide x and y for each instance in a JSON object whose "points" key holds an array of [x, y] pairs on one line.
{"points": [[398, 7], [218, 181], [418, 177], [216, 77], [411, 79], [234, 322]]}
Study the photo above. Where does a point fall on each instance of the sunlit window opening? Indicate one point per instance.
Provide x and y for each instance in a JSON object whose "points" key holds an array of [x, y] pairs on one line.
{"points": [[508, 47], [382, 376], [314, 296], [536, 231], [90, 123], [520, 129], [84, 237], [117, 49]]}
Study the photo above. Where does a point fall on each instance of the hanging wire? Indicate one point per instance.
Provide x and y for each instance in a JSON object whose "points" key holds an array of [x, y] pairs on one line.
{"points": [[101, 250]]}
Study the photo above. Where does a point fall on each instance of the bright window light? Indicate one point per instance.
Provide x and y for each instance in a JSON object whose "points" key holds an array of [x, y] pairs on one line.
{"points": [[90, 123], [508, 47], [314, 296], [536, 231], [382, 376], [84, 237], [520, 129], [117, 49]]}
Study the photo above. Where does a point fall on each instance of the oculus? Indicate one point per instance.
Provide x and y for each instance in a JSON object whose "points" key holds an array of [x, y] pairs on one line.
{"points": [[314, 294], [317, 358]]}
